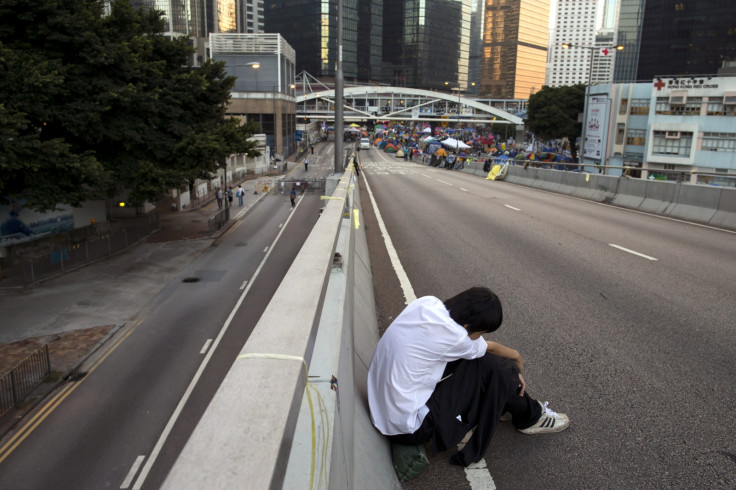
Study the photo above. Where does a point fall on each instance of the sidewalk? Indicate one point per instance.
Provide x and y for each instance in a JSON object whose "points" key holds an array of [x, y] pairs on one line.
{"points": [[77, 312]]}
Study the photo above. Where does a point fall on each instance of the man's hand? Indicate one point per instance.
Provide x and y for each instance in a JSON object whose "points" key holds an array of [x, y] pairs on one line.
{"points": [[522, 385]]}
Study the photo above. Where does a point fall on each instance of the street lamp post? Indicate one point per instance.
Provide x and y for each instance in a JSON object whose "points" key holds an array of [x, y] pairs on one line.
{"points": [[604, 50]]}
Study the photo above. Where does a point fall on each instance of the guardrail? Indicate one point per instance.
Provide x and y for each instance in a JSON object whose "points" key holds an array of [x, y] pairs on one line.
{"points": [[25, 377]]}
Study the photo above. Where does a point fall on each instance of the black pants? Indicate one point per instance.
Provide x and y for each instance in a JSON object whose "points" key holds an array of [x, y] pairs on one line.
{"points": [[480, 391]]}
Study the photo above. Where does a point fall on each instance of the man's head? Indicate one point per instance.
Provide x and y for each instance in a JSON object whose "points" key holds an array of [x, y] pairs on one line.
{"points": [[478, 309]]}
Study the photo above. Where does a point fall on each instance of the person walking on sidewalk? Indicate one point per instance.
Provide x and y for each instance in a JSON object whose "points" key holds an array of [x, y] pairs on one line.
{"points": [[433, 377], [218, 196], [239, 193], [292, 196], [306, 164]]}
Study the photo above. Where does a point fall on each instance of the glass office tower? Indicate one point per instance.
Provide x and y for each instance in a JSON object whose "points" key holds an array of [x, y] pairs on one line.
{"points": [[514, 58], [311, 27], [630, 19], [686, 37], [426, 44]]}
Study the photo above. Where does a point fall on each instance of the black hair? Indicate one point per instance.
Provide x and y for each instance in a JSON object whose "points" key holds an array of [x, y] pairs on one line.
{"points": [[478, 307]]}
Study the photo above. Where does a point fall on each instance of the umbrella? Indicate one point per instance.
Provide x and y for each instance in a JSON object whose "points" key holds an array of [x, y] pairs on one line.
{"points": [[353, 125], [427, 130]]}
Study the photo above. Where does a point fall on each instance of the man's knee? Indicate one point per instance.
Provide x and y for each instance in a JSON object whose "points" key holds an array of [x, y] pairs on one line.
{"points": [[500, 371]]}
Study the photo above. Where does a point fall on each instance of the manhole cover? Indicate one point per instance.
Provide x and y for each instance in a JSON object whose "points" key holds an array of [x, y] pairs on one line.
{"points": [[190, 279]]}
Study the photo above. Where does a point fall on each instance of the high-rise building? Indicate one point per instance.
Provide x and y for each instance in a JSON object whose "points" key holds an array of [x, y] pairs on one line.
{"points": [[628, 34], [311, 27], [514, 48], [427, 44], [686, 37], [581, 44], [477, 14]]}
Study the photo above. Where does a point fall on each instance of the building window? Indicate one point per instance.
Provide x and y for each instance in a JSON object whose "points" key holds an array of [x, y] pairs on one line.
{"points": [[662, 106], [715, 107], [636, 137], [639, 107], [620, 132], [677, 143], [719, 142], [691, 107]]}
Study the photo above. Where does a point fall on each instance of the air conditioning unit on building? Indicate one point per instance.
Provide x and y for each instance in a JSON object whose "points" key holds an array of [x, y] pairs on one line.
{"points": [[672, 134]]}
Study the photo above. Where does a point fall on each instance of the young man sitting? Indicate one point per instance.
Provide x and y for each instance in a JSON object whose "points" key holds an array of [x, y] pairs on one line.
{"points": [[434, 378]]}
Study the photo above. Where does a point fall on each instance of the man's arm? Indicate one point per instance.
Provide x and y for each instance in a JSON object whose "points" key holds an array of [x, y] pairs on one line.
{"points": [[503, 351]]}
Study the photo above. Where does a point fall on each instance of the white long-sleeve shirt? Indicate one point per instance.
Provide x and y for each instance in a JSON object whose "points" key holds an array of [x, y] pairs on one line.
{"points": [[409, 361]]}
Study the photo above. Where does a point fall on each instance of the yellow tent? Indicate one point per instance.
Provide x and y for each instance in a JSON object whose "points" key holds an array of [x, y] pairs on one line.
{"points": [[353, 125]]}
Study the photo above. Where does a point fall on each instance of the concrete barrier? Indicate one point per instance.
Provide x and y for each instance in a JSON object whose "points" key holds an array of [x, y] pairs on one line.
{"points": [[725, 215], [256, 431], [630, 193], [695, 203], [659, 197]]}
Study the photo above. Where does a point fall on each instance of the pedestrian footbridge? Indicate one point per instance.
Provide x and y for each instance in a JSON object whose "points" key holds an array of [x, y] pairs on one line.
{"points": [[385, 103]]}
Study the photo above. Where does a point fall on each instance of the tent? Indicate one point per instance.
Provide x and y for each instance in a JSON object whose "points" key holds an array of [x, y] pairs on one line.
{"points": [[353, 125], [427, 130], [453, 143]]}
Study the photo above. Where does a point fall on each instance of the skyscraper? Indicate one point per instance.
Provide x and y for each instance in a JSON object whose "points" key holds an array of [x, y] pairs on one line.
{"points": [[587, 27], [628, 33], [426, 44], [514, 48], [311, 27], [686, 37]]}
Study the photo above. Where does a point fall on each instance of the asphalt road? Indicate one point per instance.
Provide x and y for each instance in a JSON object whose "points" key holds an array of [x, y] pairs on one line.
{"points": [[626, 322], [124, 422]]}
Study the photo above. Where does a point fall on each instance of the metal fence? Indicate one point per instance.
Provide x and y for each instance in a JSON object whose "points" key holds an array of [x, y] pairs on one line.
{"points": [[20, 381], [63, 254], [301, 185], [218, 220]]}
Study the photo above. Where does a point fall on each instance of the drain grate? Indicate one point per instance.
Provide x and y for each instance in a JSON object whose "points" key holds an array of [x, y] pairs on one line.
{"points": [[190, 279]]}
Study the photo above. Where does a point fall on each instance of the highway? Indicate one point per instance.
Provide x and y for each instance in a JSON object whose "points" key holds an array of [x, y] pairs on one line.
{"points": [[626, 322], [122, 424]]}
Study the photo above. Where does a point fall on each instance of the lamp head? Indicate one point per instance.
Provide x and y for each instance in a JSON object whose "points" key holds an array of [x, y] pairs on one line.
{"points": [[255, 65]]}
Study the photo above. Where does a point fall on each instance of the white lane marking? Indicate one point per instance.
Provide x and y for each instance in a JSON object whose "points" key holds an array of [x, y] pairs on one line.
{"points": [[280, 225], [205, 346], [174, 416], [511, 207], [242, 286], [427, 176], [440, 180], [133, 470], [631, 251], [464, 190], [265, 250], [409, 295], [479, 476]]}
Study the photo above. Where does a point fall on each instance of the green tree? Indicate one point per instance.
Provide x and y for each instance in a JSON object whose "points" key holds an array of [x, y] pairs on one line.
{"points": [[112, 105], [553, 113]]}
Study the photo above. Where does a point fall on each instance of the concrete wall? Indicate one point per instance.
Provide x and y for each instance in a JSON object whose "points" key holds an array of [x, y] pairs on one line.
{"points": [[714, 206], [296, 433]]}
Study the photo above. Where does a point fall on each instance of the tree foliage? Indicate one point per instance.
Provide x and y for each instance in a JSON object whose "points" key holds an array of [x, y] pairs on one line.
{"points": [[553, 113], [93, 104]]}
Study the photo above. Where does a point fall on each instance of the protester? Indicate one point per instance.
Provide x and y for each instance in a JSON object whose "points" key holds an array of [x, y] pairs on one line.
{"points": [[434, 378]]}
